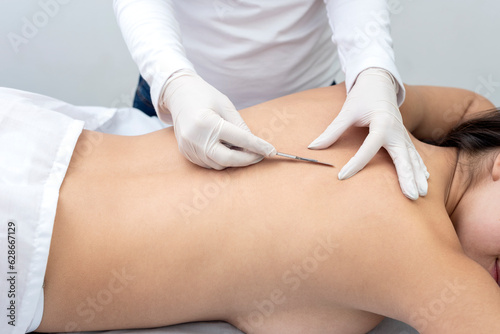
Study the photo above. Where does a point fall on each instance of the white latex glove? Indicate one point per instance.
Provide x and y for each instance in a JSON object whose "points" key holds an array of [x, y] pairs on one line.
{"points": [[372, 102], [202, 118]]}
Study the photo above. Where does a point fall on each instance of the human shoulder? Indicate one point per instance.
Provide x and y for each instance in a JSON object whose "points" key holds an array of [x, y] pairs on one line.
{"points": [[416, 272]]}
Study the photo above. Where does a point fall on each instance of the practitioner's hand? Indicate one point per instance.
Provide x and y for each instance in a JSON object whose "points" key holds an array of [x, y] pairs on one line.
{"points": [[202, 118], [372, 102]]}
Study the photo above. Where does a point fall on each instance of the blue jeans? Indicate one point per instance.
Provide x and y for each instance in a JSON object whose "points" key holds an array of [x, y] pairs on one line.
{"points": [[142, 99]]}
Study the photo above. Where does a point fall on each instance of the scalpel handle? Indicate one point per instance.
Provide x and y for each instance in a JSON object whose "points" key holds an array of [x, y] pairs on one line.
{"points": [[295, 157]]}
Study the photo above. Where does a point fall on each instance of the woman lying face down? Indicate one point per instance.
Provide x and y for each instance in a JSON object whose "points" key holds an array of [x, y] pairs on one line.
{"points": [[282, 246], [476, 217]]}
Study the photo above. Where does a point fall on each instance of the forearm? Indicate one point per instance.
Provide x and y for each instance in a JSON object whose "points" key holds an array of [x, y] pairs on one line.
{"points": [[353, 24], [431, 112], [152, 35]]}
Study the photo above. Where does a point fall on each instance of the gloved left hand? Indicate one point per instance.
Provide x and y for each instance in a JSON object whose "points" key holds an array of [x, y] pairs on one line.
{"points": [[372, 102]]}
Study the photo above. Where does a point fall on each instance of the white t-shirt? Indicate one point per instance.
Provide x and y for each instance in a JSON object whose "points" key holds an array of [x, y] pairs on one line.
{"points": [[257, 50]]}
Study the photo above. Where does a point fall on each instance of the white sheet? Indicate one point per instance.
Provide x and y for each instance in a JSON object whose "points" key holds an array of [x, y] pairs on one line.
{"points": [[388, 326]]}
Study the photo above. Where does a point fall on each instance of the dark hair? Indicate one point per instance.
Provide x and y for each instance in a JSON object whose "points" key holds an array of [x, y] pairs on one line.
{"points": [[475, 136]]}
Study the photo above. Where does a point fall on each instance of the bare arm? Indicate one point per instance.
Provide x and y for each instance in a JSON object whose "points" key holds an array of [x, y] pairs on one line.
{"points": [[429, 283], [459, 298], [430, 112]]}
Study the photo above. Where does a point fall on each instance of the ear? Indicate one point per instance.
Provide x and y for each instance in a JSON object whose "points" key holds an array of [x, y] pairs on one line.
{"points": [[495, 172]]}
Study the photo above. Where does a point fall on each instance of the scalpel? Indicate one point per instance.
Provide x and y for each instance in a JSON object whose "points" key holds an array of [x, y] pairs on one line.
{"points": [[303, 159]]}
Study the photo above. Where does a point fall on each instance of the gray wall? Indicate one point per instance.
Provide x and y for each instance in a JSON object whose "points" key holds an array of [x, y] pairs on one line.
{"points": [[77, 54], [449, 43]]}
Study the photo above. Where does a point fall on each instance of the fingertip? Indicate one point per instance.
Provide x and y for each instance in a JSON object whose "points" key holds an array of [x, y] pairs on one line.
{"points": [[326, 139], [422, 186], [420, 171], [342, 175], [268, 149], [412, 194], [254, 161], [272, 153], [347, 172], [410, 190], [264, 148], [422, 191], [421, 182], [315, 145], [210, 164]]}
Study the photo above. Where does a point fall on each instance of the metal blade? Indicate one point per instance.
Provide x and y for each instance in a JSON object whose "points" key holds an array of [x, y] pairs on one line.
{"points": [[303, 159]]}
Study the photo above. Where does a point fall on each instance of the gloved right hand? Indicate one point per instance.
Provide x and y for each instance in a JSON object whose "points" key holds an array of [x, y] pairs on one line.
{"points": [[202, 118]]}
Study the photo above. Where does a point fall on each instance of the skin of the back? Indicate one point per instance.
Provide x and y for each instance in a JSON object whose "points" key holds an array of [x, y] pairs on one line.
{"points": [[144, 238]]}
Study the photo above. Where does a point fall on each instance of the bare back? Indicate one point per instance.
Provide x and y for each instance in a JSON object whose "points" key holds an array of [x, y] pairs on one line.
{"points": [[144, 238]]}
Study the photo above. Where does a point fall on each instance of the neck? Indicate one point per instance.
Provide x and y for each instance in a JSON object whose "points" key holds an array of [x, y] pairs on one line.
{"points": [[458, 184], [451, 181]]}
